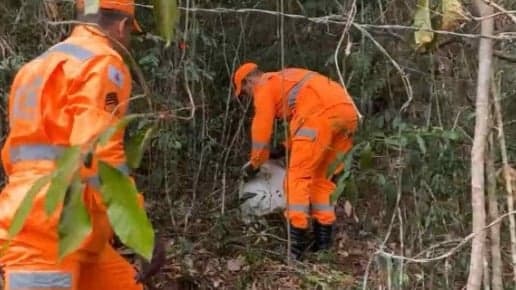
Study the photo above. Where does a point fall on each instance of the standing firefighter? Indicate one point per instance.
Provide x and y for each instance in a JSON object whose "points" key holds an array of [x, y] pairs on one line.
{"points": [[322, 120], [67, 96]]}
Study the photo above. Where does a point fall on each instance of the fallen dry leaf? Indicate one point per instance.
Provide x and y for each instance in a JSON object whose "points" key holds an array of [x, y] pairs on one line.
{"points": [[348, 208], [234, 265]]}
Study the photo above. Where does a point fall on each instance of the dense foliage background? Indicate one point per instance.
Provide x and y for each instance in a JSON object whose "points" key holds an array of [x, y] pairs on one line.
{"points": [[410, 180]]}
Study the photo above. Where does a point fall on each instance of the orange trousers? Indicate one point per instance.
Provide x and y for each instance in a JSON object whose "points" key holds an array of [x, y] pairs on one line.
{"points": [[315, 145], [30, 261]]}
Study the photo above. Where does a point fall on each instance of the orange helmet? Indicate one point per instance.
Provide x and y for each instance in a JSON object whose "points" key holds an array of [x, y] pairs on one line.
{"points": [[124, 6], [241, 73]]}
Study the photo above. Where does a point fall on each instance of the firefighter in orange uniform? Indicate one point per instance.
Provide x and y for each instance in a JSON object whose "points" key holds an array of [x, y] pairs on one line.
{"points": [[66, 97], [322, 119]]}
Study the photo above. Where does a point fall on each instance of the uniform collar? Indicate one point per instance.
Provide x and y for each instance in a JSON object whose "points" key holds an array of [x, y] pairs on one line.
{"points": [[89, 31]]}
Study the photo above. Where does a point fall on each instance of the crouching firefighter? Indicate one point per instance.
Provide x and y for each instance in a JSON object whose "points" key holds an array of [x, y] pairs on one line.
{"points": [[65, 97], [322, 119]]}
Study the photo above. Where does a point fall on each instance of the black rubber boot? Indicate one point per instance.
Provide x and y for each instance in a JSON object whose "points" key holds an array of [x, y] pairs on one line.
{"points": [[323, 236], [297, 242]]}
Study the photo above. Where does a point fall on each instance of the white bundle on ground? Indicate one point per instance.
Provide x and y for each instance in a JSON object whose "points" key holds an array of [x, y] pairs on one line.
{"points": [[263, 194]]}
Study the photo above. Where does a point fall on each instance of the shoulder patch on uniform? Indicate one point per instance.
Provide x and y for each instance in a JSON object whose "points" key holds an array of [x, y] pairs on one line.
{"points": [[115, 75], [111, 102]]}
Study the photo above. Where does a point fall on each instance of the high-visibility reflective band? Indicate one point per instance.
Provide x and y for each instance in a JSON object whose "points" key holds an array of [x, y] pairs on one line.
{"points": [[306, 132], [294, 91], [43, 280], [260, 146], [94, 181], [115, 76], [298, 207], [70, 49], [322, 207], [35, 152]]}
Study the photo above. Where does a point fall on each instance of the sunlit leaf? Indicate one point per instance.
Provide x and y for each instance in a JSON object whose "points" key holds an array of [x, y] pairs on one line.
{"points": [[74, 223], [136, 146], [453, 13], [423, 23], [129, 221], [66, 166], [166, 14], [91, 6], [452, 135], [26, 205]]}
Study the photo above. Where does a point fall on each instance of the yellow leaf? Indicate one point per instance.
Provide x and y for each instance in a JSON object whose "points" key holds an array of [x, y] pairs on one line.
{"points": [[453, 12], [166, 14], [422, 22]]}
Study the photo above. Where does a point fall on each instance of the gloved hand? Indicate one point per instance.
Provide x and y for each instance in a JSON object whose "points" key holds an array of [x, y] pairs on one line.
{"points": [[159, 258], [278, 152], [248, 171]]}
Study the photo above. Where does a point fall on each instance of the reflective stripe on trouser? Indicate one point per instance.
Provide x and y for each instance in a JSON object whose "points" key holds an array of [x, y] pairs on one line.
{"points": [[39, 280], [314, 148], [52, 152], [40, 271]]}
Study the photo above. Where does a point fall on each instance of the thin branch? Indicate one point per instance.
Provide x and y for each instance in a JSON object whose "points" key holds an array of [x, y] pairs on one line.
{"points": [[501, 9], [403, 75], [450, 252], [332, 19], [506, 57], [507, 175], [345, 32]]}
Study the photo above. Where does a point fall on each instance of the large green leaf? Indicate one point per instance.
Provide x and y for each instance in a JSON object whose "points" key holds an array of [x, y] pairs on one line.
{"points": [[67, 165], [26, 205], [74, 223], [166, 14], [135, 147], [91, 6], [422, 21], [109, 132], [129, 221]]}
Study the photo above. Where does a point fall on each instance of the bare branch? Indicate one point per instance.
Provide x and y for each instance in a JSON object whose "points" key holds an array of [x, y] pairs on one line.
{"points": [[501, 9], [339, 20], [507, 57], [451, 252]]}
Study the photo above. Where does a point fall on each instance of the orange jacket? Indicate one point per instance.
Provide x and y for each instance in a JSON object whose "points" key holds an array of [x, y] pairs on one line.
{"points": [[67, 96], [294, 94]]}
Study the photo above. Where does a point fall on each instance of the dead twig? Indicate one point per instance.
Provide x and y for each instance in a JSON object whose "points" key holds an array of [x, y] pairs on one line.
{"points": [[501, 9], [451, 252]]}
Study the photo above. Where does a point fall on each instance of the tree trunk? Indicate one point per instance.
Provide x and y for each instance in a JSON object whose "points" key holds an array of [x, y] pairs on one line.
{"points": [[507, 177], [496, 257], [485, 56]]}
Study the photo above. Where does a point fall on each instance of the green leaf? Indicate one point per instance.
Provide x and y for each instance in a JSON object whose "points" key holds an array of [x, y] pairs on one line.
{"points": [[366, 157], [421, 144], [74, 223], [26, 205], [67, 165], [129, 221], [422, 21], [166, 15], [452, 135], [109, 132], [341, 186], [91, 6], [135, 147]]}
